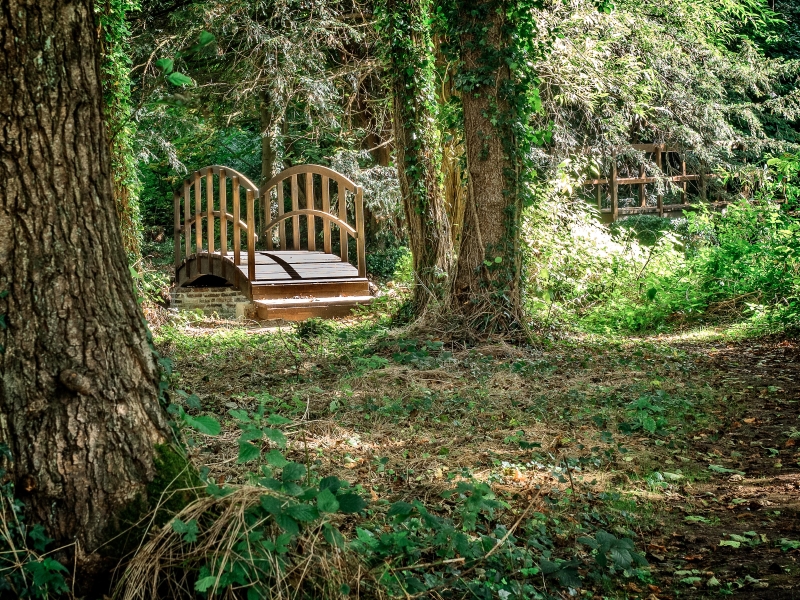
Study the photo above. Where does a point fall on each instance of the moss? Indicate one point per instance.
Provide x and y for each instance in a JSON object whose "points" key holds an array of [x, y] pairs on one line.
{"points": [[172, 488]]}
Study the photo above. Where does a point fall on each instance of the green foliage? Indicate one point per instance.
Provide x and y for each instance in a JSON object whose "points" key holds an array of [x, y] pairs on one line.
{"points": [[116, 64], [313, 328], [26, 570], [384, 264], [646, 274]]}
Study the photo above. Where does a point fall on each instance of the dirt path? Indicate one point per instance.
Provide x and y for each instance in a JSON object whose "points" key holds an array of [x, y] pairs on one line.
{"points": [[755, 505]]}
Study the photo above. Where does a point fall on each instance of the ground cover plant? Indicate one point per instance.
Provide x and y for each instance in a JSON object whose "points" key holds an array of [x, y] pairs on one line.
{"points": [[596, 466]]}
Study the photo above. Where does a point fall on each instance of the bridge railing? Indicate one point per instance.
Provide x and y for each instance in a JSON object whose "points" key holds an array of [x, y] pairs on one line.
{"points": [[326, 197], [202, 216], [204, 207]]}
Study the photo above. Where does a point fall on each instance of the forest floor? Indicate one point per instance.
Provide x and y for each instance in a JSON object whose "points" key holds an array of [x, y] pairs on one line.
{"points": [[689, 444]]}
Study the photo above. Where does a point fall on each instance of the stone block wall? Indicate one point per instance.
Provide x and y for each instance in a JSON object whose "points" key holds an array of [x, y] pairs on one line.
{"points": [[225, 301]]}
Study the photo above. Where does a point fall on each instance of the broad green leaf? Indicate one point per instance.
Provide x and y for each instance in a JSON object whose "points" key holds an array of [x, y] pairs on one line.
{"points": [[204, 424], [276, 459], [400, 508], [278, 420], [731, 543], [271, 504], [165, 64], [331, 483], [205, 38], [288, 524], [178, 79], [276, 436], [247, 452], [302, 512], [293, 472], [205, 584], [327, 502], [351, 503]]}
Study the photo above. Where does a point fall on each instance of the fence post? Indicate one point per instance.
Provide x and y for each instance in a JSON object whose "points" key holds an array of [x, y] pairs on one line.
{"points": [[177, 230], [661, 177], [614, 188]]}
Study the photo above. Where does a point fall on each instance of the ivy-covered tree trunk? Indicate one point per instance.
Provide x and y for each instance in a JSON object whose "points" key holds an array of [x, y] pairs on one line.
{"points": [[115, 37], [405, 28], [268, 154], [79, 404], [484, 40]]}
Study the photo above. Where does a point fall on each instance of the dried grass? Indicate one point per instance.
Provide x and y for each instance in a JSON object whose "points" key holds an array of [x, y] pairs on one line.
{"points": [[166, 566]]}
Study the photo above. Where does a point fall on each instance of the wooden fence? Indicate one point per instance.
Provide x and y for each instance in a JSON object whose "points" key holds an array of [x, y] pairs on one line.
{"points": [[671, 164]]}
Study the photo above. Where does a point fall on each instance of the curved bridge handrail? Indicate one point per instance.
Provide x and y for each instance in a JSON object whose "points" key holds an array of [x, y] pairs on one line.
{"points": [[317, 213], [316, 170], [244, 181]]}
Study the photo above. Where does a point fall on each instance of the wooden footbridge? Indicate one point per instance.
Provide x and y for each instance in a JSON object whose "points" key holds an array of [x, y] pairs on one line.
{"points": [[295, 262]]}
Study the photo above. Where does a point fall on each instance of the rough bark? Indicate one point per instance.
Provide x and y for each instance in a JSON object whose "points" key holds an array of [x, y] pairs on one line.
{"points": [[268, 153], [79, 402], [486, 287], [418, 159]]}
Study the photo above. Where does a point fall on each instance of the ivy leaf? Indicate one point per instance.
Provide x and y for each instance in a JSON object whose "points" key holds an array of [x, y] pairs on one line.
{"points": [[327, 502], [247, 452], [351, 503], [205, 424]]}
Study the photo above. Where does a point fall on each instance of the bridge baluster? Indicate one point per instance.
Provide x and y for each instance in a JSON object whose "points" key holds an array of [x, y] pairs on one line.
{"points": [[237, 256], [210, 210], [198, 215], [295, 220], [281, 209], [326, 207], [223, 211], [312, 231]]}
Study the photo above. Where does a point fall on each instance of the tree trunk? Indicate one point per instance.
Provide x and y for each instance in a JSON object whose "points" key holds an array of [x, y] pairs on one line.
{"points": [[405, 28], [268, 153], [486, 287], [79, 402]]}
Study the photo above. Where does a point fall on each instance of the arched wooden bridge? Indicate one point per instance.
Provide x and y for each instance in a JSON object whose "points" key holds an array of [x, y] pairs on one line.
{"points": [[280, 266]]}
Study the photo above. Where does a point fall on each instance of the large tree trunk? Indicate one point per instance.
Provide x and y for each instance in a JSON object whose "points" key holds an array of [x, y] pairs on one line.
{"points": [[406, 31], [79, 402], [486, 287]]}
